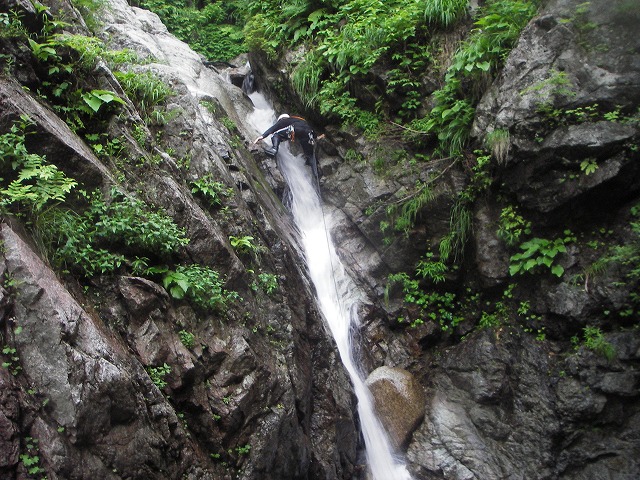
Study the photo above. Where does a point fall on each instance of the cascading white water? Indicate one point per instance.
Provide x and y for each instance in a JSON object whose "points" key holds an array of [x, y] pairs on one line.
{"points": [[337, 294]]}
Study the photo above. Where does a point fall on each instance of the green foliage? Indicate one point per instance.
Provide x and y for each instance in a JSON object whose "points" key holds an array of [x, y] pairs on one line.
{"points": [[87, 242], [31, 459], [430, 269], [460, 224], [187, 338], [498, 143], [594, 339], [432, 305], [512, 226], [461, 217], [625, 256], [244, 244], [147, 91], [244, 449], [97, 98], [444, 12], [90, 10], [404, 213], [90, 49], [267, 282], [210, 28], [11, 25], [497, 29], [589, 166], [540, 251], [30, 182], [157, 375], [306, 78], [558, 84], [12, 362], [211, 190], [201, 284]]}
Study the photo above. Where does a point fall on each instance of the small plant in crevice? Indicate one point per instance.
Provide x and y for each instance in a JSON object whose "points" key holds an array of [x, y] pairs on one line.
{"points": [[12, 360], [538, 252], [187, 338], [588, 166], [243, 449], [245, 244], [593, 339], [201, 284], [267, 282], [210, 189], [31, 458], [512, 226], [461, 217], [498, 143], [157, 375], [403, 213], [558, 85]]}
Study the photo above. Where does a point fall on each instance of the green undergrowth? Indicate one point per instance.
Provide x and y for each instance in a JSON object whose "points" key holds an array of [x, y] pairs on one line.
{"points": [[211, 28]]}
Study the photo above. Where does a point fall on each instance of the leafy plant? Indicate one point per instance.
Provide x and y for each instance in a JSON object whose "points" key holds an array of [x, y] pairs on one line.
{"points": [[433, 270], [210, 189], [157, 375], [97, 98], [589, 166], [12, 363], [31, 459], [187, 338], [201, 284], [512, 226], [11, 25], [33, 183], [147, 91], [595, 340], [540, 251], [87, 242], [268, 282], [440, 308], [244, 244], [244, 449]]}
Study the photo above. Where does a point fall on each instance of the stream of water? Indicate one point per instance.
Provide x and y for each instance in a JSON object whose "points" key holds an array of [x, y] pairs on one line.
{"points": [[338, 296]]}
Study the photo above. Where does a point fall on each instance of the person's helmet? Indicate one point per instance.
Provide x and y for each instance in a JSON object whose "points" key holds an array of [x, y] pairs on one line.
{"points": [[284, 115]]}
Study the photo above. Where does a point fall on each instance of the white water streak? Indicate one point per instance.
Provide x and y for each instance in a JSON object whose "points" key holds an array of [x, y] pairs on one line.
{"points": [[338, 296]]}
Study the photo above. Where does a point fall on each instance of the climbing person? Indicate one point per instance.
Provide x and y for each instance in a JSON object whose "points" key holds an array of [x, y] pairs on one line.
{"points": [[292, 128]]}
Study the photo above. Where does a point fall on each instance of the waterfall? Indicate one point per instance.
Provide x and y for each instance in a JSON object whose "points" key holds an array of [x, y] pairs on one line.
{"points": [[338, 296]]}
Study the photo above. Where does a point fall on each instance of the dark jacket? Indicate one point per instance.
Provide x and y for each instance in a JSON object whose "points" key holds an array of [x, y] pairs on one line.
{"points": [[300, 127]]}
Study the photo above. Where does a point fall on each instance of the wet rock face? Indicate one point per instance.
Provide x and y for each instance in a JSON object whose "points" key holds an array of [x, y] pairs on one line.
{"points": [[573, 65]]}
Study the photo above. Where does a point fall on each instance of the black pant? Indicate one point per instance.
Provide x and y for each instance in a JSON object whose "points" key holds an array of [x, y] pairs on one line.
{"points": [[307, 142]]}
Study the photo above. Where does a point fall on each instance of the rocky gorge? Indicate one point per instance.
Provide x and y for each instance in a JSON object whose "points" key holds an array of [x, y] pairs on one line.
{"points": [[507, 369]]}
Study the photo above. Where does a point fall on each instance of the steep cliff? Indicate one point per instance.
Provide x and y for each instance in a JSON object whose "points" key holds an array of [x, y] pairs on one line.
{"points": [[166, 328], [228, 373]]}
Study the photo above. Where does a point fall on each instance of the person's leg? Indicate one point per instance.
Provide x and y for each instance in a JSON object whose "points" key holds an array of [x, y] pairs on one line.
{"points": [[275, 141]]}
